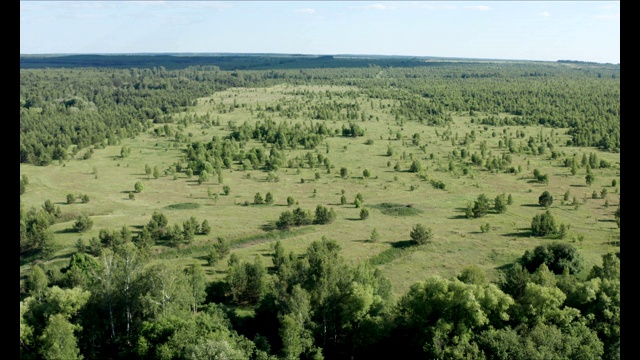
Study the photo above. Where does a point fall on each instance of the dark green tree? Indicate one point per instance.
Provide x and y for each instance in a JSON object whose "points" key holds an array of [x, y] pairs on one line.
{"points": [[500, 204], [545, 199], [544, 224], [420, 234], [83, 223], [364, 214], [481, 206]]}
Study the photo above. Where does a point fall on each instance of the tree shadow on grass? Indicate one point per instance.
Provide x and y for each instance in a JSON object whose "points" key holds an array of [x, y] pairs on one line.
{"points": [[505, 267], [524, 232], [532, 205], [402, 244], [66, 231]]}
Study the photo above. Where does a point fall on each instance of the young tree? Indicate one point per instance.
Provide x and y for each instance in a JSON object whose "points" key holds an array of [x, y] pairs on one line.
{"points": [[481, 206], [205, 229], [375, 236], [268, 198], [203, 177], [545, 199], [83, 223], [290, 201], [415, 166], [500, 204], [324, 215], [226, 190], [344, 173], [138, 187], [421, 234], [257, 199], [544, 224], [364, 214], [590, 178], [71, 198]]}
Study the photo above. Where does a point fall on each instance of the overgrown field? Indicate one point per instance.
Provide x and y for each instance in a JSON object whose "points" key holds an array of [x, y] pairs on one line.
{"points": [[407, 173]]}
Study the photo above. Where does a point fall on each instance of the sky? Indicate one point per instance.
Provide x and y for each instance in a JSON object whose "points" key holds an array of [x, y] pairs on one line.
{"points": [[509, 30]]}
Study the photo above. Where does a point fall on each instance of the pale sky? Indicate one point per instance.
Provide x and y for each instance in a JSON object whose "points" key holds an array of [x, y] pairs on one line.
{"points": [[513, 30]]}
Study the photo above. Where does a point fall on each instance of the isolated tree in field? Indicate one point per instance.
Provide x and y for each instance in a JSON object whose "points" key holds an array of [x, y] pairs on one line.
{"points": [[590, 178], [500, 204], [481, 206], [375, 236], [415, 166], [147, 170], [421, 234], [83, 223], [344, 173], [257, 199], [71, 198], [268, 198], [343, 200], [138, 187], [290, 201], [84, 198], [324, 215], [226, 189], [156, 172], [364, 214], [366, 173], [544, 224], [545, 199]]}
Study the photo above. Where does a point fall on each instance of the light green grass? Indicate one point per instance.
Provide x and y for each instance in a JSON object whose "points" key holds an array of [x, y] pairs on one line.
{"points": [[457, 241]]}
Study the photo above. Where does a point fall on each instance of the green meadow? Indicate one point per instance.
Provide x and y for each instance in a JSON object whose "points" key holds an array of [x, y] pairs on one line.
{"points": [[396, 198]]}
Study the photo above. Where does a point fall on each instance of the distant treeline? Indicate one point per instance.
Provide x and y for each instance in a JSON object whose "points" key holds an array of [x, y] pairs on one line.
{"points": [[232, 62], [95, 106]]}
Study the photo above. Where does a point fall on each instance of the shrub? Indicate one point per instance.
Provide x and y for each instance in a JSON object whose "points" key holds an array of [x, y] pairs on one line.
{"points": [[544, 224], [545, 199], [83, 223], [324, 215], [421, 234], [138, 187], [364, 214]]}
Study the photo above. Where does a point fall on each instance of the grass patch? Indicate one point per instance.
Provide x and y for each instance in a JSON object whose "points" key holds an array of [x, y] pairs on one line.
{"points": [[398, 249], [198, 250], [397, 209], [182, 206]]}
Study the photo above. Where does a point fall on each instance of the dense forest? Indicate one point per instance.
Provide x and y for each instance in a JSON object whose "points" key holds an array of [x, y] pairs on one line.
{"points": [[118, 297]]}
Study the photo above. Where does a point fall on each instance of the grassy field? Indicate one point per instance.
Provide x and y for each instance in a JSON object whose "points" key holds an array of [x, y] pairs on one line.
{"points": [[107, 179]]}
